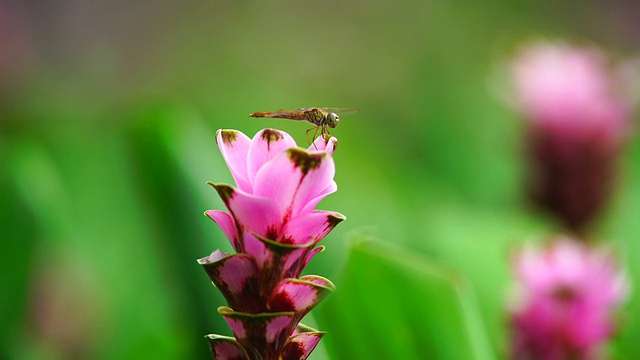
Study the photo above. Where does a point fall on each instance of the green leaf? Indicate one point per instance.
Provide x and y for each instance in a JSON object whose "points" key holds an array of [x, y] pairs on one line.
{"points": [[395, 304]]}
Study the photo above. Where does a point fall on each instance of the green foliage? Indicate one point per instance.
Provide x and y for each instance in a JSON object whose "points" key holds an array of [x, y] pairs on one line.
{"points": [[395, 304]]}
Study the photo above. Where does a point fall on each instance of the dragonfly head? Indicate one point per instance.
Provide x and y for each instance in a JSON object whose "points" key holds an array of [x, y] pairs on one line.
{"points": [[333, 120]]}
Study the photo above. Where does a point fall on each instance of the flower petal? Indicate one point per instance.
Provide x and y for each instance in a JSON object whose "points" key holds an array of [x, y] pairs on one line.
{"points": [[266, 145], [257, 214], [321, 143], [227, 225], [294, 178], [278, 180], [237, 278], [312, 226], [277, 328], [258, 250], [300, 346], [308, 258], [567, 291], [225, 348], [234, 147], [274, 259], [311, 204], [259, 333], [215, 256], [300, 295], [317, 176]]}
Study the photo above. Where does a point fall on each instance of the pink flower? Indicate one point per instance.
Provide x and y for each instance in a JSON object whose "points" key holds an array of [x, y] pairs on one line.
{"points": [[279, 186], [569, 89], [577, 124], [275, 229], [569, 292]]}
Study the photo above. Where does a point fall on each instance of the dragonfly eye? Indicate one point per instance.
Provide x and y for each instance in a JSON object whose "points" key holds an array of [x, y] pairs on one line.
{"points": [[334, 120]]}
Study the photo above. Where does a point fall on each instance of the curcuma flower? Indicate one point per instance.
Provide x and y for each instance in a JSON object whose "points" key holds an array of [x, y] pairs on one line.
{"points": [[577, 121], [568, 294], [274, 229]]}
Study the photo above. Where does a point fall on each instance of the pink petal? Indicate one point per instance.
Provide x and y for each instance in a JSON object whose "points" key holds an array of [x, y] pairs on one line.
{"points": [[312, 226], [311, 204], [322, 144], [310, 256], [236, 272], [318, 176], [226, 223], [237, 327], [266, 145], [236, 277], [274, 259], [258, 250], [277, 328], [278, 180], [300, 295], [295, 259], [262, 329], [235, 322], [528, 267], [215, 256], [300, 346], [257, 214], [568, 295], [226, 348], [295, 178], [234, 147]]}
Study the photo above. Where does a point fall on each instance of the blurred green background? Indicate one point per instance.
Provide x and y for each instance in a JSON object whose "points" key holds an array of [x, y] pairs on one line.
{"points": [[108, 113]]}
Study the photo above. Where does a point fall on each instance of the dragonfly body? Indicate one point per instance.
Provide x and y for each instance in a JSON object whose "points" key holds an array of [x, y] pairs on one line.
{"points": [[322, 118], [316, 116]]}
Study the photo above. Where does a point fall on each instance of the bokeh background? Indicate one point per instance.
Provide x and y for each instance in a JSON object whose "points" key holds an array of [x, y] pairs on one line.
{"points": [[108, 113]]}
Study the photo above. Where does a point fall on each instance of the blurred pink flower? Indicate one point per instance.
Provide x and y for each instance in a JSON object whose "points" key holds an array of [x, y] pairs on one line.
{"points": [[569, 89], [577, 124], [274, 228], [568, 294]]}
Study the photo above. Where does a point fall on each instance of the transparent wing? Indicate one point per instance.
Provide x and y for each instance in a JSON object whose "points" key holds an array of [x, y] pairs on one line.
{"points": [[342, 111]]}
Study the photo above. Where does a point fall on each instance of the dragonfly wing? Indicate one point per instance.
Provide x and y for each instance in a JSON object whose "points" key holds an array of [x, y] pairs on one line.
{"points": [[342, 111]]}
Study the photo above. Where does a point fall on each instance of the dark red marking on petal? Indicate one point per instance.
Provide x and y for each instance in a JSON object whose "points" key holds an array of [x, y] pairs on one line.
{"points": [[270, 135], [249, 300], [333, 220], [263, 335], [293, 351], [295, 269], [564, 294], [228, 137], [305, 160], [272, 233], [226, 192], [281, 301], [238, 281], [222, 348], [287, 240]]}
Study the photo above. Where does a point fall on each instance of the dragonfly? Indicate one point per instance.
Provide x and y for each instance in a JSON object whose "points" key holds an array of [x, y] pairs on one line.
{"points": [[322, 118]]}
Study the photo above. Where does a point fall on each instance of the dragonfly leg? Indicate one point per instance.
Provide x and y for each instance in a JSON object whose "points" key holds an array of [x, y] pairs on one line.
{"points": [[326, 135], [314, 136], [307, 133]]}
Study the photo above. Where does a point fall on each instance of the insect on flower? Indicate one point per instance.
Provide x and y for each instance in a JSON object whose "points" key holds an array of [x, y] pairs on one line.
{"points": [[322, 118]]}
